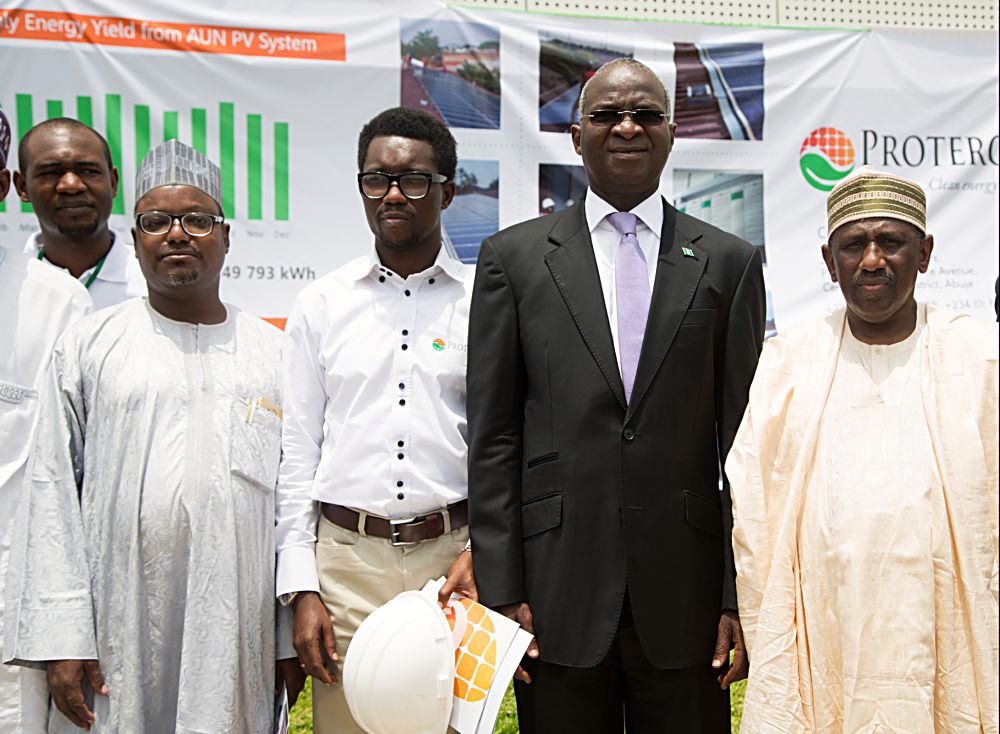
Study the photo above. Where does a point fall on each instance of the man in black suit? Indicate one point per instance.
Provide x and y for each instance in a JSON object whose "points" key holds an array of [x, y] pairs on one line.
{"points": [[611, 349]]}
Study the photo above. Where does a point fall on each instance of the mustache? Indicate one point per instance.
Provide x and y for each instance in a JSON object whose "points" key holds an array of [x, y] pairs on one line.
{"points": [[179, 251], [393, 210], [871, 277]]}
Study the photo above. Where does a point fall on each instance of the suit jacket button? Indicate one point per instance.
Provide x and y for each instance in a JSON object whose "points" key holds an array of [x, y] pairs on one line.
{"points": [[628, 434]]}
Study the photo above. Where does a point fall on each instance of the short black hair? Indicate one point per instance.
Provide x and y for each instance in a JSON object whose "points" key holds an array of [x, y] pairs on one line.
{"points": [[406, 122], [22, 147]]}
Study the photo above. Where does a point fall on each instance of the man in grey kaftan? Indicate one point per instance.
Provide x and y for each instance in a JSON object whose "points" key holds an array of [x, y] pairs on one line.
{"points": [[145, 539]]}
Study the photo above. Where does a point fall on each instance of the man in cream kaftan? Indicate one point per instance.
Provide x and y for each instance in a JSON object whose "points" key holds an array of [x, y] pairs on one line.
{"points": [[145, 536], [865, 499]]}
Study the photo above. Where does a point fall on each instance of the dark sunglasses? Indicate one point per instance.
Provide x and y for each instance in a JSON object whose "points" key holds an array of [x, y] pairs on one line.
{"points": [[642, 118]]}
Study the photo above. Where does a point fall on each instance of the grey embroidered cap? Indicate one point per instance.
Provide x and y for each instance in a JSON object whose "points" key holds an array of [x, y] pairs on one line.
{"points": [[173, 163]]}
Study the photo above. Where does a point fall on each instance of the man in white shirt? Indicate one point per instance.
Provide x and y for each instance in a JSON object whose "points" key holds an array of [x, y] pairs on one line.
{"points": [[38, 303], [65, 172], [372, 491]]}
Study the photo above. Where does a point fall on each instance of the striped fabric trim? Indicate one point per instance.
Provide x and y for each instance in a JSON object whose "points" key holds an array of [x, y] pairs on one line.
{"points": [[879, 196]]}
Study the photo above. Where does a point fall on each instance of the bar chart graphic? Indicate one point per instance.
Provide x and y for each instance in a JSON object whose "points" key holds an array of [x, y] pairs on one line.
{"points": [[230, 130]]}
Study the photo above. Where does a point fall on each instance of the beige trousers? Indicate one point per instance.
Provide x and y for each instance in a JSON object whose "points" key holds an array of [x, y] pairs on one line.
{"points": [[358, 575]]}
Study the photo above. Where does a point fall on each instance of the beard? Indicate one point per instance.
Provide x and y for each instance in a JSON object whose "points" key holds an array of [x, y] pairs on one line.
{"points": [[402, 244], [77, 230], [181, 277]]}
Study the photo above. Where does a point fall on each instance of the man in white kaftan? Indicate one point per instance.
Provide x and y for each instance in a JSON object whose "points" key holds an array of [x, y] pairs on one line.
{"points": [[37, 303], [864, 481], [145, 538]]}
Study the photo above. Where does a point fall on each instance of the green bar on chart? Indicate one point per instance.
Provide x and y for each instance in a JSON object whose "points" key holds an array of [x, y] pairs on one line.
{"points": [[141, 133], [281, 171], [85, 111], [227, 156], [255, 189], [113, 128], [198, 126], [170, 126], [53, 109], [25, 121]]}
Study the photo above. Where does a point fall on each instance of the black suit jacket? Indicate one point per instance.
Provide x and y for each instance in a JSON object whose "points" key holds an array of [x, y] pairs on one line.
{"points": [[572, 492]]}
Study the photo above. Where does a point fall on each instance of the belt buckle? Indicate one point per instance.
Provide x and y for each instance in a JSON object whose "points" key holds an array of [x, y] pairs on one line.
{"points": [[394, 533]]}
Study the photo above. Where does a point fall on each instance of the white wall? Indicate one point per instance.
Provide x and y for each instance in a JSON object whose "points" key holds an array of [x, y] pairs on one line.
{"points": [[860, 14]]}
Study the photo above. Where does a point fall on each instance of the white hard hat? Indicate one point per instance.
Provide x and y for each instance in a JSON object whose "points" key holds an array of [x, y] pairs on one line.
{"points": [[400, 667], [547, 203]]}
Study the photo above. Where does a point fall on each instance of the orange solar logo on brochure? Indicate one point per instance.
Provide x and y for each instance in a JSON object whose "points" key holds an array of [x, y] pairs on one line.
{"points": [[475, 652]]}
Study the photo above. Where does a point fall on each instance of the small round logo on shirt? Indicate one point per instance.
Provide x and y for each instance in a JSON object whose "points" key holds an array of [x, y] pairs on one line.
{"points": [[438, 345]]}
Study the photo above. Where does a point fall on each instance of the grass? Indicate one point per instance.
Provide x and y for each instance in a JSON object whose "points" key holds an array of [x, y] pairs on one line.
{"points": [[301, 716]]}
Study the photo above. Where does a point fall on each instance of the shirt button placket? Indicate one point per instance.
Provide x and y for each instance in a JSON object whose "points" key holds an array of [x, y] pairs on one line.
{"points": [[402, 399]]}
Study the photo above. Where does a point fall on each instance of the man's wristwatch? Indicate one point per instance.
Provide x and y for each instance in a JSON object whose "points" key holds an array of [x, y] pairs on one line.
{"points": [[286, 600]]}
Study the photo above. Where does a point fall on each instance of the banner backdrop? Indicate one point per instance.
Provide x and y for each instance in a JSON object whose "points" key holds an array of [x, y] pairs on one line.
{"points": [[768, 120]]}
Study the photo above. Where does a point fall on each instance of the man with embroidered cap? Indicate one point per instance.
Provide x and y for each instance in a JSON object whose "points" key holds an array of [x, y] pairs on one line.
{"points": [[142, 562], [65, 172], [38, 303], [611, 348], [864, 484]]}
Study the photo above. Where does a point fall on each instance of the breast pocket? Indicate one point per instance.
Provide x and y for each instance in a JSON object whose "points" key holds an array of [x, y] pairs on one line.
{"points": [[699, 317], [255, 442]]}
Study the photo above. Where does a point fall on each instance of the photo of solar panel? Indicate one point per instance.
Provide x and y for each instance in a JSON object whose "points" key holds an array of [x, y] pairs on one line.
{"points": [[564, 66], [474, 213], [560, 186], [451, 70], [720, 91], [733, 202]]}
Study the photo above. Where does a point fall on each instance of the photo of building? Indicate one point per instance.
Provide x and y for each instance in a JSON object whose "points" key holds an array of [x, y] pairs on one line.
{"points": [[719, 93], [451, 70], [474, 214], [560, 186], [564, 66]]}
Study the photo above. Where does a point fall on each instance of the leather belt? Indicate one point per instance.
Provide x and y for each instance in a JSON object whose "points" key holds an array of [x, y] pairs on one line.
{"points": [[400, 532]]}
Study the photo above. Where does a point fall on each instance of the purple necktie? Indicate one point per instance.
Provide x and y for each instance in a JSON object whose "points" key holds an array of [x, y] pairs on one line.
{"points": [[631, 296]]}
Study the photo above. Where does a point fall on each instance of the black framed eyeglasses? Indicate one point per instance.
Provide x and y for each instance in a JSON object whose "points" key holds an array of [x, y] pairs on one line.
{"points": [[195, 224], [413, 185], [642, 118]]}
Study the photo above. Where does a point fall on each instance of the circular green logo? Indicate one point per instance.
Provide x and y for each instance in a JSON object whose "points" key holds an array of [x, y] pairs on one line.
{"points": [[438, 345], [826, 156]]}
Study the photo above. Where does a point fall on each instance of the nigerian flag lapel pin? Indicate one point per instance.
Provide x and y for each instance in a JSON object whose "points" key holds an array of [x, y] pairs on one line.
{"points": [[688, 252]]}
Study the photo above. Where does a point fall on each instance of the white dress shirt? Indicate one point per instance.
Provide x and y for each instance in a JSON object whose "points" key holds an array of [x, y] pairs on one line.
{"points": [[119, 279], [606, 239], [374, 401]]}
